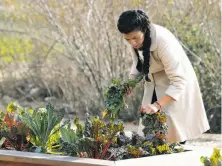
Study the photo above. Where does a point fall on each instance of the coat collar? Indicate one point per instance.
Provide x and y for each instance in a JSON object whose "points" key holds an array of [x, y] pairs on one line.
{"points": [[153, 37]]}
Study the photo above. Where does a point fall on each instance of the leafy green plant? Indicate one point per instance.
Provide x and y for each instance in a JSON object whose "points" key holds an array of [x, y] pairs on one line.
{"points": [[70, 140], [95, 141], [108, 141], [54, 140], [155, 127], [42, 123], [114, 96], [69, 135], [214, 160], [97, 138], [13, 132]]}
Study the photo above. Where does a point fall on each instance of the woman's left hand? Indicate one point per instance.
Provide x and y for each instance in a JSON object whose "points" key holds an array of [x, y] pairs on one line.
{"points": [[149, 109]]}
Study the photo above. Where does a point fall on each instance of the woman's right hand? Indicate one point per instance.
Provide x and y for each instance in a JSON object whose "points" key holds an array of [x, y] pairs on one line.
{"points": [[149, 109]]}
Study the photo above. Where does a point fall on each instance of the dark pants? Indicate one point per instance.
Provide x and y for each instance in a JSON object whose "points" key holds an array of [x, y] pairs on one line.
{"points": [[154, 98]]}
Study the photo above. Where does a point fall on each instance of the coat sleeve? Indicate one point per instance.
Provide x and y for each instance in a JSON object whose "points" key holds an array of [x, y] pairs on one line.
{"points": [[172, 54]]}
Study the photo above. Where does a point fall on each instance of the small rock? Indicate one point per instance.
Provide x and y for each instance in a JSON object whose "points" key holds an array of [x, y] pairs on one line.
{"points": [[35, 92], [52, 100], [38, 93], [6, 100]]}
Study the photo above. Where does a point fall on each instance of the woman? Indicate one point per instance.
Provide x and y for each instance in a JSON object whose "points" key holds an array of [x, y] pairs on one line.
{"points": [[170, 81]]}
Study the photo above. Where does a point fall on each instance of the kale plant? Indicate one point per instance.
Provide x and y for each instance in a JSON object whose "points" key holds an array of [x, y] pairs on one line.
{"points": [[114, 96]]}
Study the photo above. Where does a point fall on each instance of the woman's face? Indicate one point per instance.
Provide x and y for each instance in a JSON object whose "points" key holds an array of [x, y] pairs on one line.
{"points": [[135, 38]]}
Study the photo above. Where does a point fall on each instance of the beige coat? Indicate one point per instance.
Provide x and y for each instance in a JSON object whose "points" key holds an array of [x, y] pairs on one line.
{"points": [[171, 73]]}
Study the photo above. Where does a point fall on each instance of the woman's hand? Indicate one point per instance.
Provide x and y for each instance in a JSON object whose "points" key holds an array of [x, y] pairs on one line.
{"points": [[149, 109], [158, 105]]}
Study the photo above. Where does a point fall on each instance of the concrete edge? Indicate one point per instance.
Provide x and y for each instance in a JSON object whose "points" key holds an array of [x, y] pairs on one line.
{"points": [[49, 159]]}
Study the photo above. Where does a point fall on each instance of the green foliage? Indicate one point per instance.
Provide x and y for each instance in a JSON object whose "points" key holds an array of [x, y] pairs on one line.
{"points": [[42, 122], [155, 127], [2, 116], [137, 146], [2, 140], [54, 140], [214, 160], [70, 139], [96, 140], [114, 96], [134, 151], [100, 140], [79, 126], [69, 135], [14, 48], [13, 132]]}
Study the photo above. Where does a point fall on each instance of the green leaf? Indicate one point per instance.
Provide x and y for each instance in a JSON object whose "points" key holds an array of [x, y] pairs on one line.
{"points": [[2, 140], [42, 124], [54, 139], [69, 135], [114, 95]]}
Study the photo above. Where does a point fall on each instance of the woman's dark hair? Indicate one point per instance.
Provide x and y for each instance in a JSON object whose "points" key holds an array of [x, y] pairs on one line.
{"points": [[137, 20]]}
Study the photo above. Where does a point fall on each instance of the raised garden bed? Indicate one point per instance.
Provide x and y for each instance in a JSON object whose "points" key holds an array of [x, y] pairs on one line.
{"points": [[98, 141], [187, 158]]}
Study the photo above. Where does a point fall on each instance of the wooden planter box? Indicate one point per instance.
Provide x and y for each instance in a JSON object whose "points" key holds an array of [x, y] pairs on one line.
{"points": [[188, 158]]}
